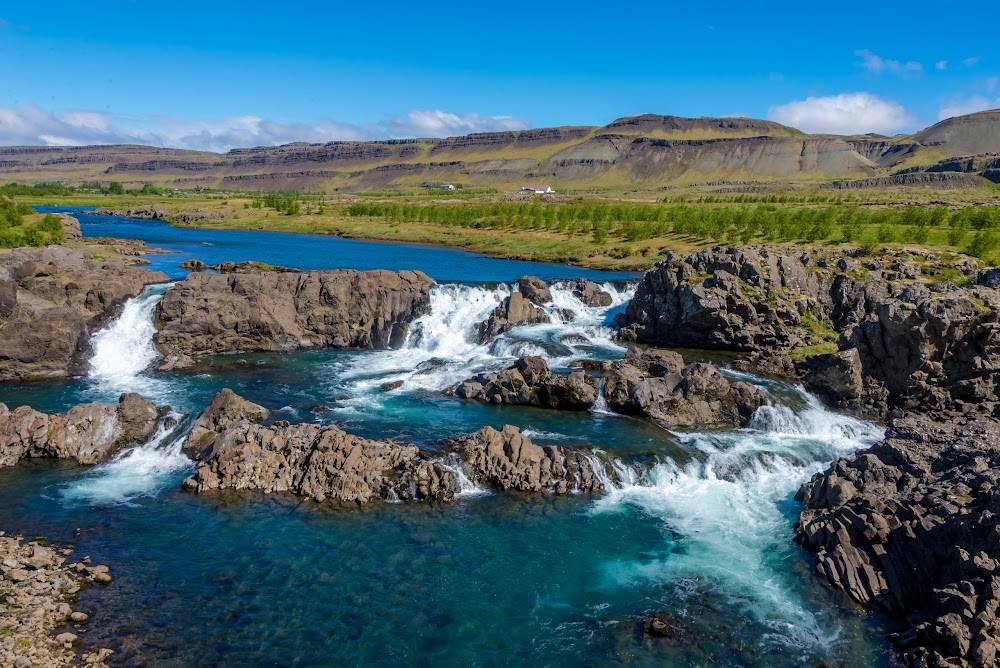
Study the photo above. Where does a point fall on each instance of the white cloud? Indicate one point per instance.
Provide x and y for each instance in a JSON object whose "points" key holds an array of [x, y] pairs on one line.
{"points": [[941, 65], [847, 113], [967, 106], [877, 65], [439, 123], [31, 125], [991, 83], [971, 62]]}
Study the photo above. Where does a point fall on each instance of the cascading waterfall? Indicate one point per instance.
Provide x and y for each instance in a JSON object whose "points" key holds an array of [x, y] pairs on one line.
{"points": [[138, 471], [124, 349], [123, 353], [725, 507]]}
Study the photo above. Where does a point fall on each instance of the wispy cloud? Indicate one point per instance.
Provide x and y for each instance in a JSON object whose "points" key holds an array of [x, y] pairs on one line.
{"points": [[969, 105], [31, 125], [439, 123], [847, 113], [971, 62], [878, 65], [941, 65]]}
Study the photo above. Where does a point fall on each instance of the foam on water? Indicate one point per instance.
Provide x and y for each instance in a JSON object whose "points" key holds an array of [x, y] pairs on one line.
{"points": [[124, 349], [442, 348], [724, 511], [140, 471]]}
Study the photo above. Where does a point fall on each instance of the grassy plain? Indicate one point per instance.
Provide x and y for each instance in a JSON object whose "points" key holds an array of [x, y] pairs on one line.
{"points": [[612, 229]]}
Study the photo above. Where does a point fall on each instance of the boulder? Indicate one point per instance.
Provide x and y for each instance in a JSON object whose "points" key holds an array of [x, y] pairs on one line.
{"points": [[89, 433], [590, 293], [515, 310], [70, 227], [508, 459], [836, 376], [278, 311], [657, 385], [535, 290], [51, 301], [227, 409], [529, 382]]}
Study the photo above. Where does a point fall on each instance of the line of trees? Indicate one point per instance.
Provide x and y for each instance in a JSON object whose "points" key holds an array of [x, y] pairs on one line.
{"points": [[977, 228]]}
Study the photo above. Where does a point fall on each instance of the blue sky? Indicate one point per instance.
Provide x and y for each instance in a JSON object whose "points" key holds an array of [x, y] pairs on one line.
{"points": [[203, 75]]}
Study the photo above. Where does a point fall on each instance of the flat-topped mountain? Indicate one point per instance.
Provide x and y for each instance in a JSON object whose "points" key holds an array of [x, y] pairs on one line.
{"points": [[647, 150]]}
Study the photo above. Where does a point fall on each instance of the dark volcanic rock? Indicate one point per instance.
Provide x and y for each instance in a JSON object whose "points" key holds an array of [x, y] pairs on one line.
{"points": [[590, 293], [89, 433], [529, 382], [509, 460], [51, 300], [658, 385], [910, 525], [212, 313], [515, 310]]}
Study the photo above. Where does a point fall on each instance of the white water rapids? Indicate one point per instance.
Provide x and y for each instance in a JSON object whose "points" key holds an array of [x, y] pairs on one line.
{"points": [[725, 503]]}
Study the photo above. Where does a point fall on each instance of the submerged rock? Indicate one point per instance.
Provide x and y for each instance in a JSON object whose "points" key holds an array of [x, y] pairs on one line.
{"points": [[51, 300], [39, 590], [89, 433], [510, 460], [262, 311], [911, 526]]}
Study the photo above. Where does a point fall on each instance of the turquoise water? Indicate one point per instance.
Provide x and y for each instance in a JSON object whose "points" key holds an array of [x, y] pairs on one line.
{"points": [[698, 524]]}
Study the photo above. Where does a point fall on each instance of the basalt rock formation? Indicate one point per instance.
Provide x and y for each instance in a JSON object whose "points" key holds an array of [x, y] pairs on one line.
{"points": [[51, 300], [530, 383], [910, 525], [89, 433], [515, 310], [261, 311], [904, 339], [508, 459], [658, 385], [227, 409]]}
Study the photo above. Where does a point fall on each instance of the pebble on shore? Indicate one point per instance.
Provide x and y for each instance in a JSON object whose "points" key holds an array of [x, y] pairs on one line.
{"points": [[37, 590]]}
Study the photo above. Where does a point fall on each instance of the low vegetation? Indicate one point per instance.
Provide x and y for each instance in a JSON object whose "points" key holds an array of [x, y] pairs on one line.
{"points": [[21, 226]]}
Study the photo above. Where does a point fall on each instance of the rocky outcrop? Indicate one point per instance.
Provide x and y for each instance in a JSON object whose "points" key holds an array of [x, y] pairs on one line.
{"points": [[910, 525], [509, 460], [535, 290], [51, 300], [915, 343], [590, 293], [211, 313], [70, 227], [730, 299], [227, 409], [658, 385], [513, 311], [322, 463], [37, 618], [148, 213], [530, 383], [89, 433]]}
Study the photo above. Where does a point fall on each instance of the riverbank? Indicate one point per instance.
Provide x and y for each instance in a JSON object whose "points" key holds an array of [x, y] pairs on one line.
{"points": [[38, 625]]}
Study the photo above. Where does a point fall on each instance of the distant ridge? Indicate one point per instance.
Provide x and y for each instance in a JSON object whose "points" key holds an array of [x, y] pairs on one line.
{"points": [[648, 150]]}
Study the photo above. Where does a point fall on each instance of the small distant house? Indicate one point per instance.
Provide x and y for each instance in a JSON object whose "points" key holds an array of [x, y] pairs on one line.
{"points": [[448, 186], [536, 190]]}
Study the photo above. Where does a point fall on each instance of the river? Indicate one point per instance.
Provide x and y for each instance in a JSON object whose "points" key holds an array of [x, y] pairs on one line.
{"points": [[701, 524]]}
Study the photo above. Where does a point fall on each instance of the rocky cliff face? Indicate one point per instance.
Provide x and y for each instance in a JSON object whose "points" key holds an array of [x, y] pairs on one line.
{"points": [[89, 433], [910, 525], [210, 313], [51, 300]]}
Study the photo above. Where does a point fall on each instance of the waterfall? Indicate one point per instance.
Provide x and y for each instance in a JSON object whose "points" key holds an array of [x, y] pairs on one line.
{"points": [[124, 349], [140, 471]]}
